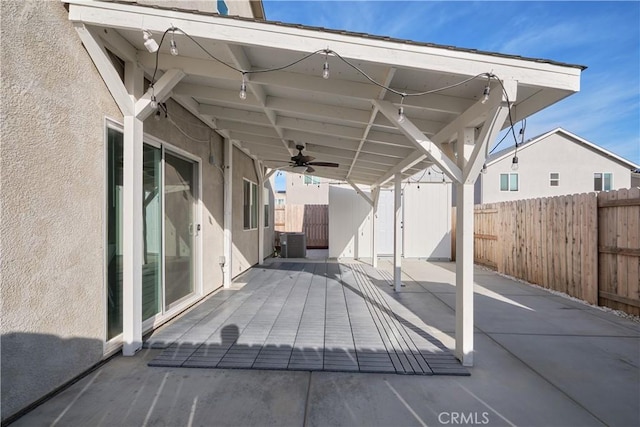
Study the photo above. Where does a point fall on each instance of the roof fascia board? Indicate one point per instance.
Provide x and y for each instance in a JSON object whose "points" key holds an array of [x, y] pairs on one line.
{"points": [[130, 17]]}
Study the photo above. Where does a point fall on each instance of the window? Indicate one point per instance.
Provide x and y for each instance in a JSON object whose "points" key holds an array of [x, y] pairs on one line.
{"points": [[250, 205], [554, 179], [602, 181], [265, 202], [508, 182], [313, 180]]}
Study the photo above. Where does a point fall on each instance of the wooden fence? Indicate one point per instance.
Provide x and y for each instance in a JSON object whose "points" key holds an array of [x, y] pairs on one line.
{"points": [[585, 245], [313, 220], [619, 249]]}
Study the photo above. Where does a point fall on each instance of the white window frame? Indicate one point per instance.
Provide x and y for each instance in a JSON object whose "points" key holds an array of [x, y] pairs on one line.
{"points": [[509, 188], [313, 180], [602, 181], [253, 187], [552, 179]]}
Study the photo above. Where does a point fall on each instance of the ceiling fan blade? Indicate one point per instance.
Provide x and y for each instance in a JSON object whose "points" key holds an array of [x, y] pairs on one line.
{"points": [[310, 169], [325, 164], [307, 159]]}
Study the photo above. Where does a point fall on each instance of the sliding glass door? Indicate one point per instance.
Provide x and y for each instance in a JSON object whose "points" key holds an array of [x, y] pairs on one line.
{"points": [[179, 228], [152, 232], [169, 231], [114, 232]]}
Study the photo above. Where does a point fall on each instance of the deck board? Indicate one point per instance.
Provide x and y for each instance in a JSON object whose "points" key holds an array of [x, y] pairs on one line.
{"points": [[305, 316]]}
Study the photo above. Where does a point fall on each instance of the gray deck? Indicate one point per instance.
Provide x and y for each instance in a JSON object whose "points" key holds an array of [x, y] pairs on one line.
{"points": [[305, 316]]}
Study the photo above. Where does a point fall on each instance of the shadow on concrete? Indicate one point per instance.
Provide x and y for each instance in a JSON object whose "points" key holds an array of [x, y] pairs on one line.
{"points": [[35, 366]]}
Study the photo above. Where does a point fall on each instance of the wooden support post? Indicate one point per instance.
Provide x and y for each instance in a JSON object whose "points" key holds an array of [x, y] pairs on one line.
{"points": [[260, 176], [132, 237], [464, 254], [132, 250], [228, 212], [397, 233], [375, 193]]}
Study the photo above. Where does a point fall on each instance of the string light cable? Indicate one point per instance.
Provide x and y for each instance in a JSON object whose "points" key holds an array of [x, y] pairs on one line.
{"points": [[325, 74], [326, 52]]}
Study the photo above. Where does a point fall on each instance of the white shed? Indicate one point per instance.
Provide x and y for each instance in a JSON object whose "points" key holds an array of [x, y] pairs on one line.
{"points": [[426, 222]]}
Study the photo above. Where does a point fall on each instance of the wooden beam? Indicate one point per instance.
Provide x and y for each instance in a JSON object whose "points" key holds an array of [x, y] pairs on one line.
{"points": [[117, 44], [476, 114], [257, 130], [260, 175], [100, 58], [397, 232], [409, 161], [360, 192], [132, 248], [424, 145], [192, 66], [319, 127], [161, 90], [316, 110], [228, 213], [234, 114]]}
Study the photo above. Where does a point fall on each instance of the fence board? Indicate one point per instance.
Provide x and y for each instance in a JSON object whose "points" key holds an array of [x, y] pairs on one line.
{"points": [[313, 220], [585, 245], [633, 272], [619, 250]]}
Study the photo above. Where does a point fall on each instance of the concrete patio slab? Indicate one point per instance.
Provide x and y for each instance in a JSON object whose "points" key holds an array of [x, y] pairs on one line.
{"points": [[523, 375]]}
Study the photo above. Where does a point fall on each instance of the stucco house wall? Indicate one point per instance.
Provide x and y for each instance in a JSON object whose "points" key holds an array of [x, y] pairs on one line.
{"points": [[299, 193], [52, 294], [212, 212], [53, 173], [559, 153], [245, 249]]}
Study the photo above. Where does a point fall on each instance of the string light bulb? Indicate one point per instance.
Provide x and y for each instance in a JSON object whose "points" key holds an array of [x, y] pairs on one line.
{"points": [[325, 70], [243, 89], [401, 116], [485, 94], [173, 47], [149, 42], [514, 163], [484, 169], [154, 102]]}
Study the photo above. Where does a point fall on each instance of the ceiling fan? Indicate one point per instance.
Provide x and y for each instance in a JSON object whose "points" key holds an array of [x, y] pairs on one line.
{"points": [[301, 163]]}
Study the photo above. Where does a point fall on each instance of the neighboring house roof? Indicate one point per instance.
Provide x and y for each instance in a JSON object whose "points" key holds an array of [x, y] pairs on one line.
{"points": [[508, 152]]}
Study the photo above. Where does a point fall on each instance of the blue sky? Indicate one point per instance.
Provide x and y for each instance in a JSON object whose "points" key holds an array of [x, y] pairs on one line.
{"points": [[604, 36]]}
